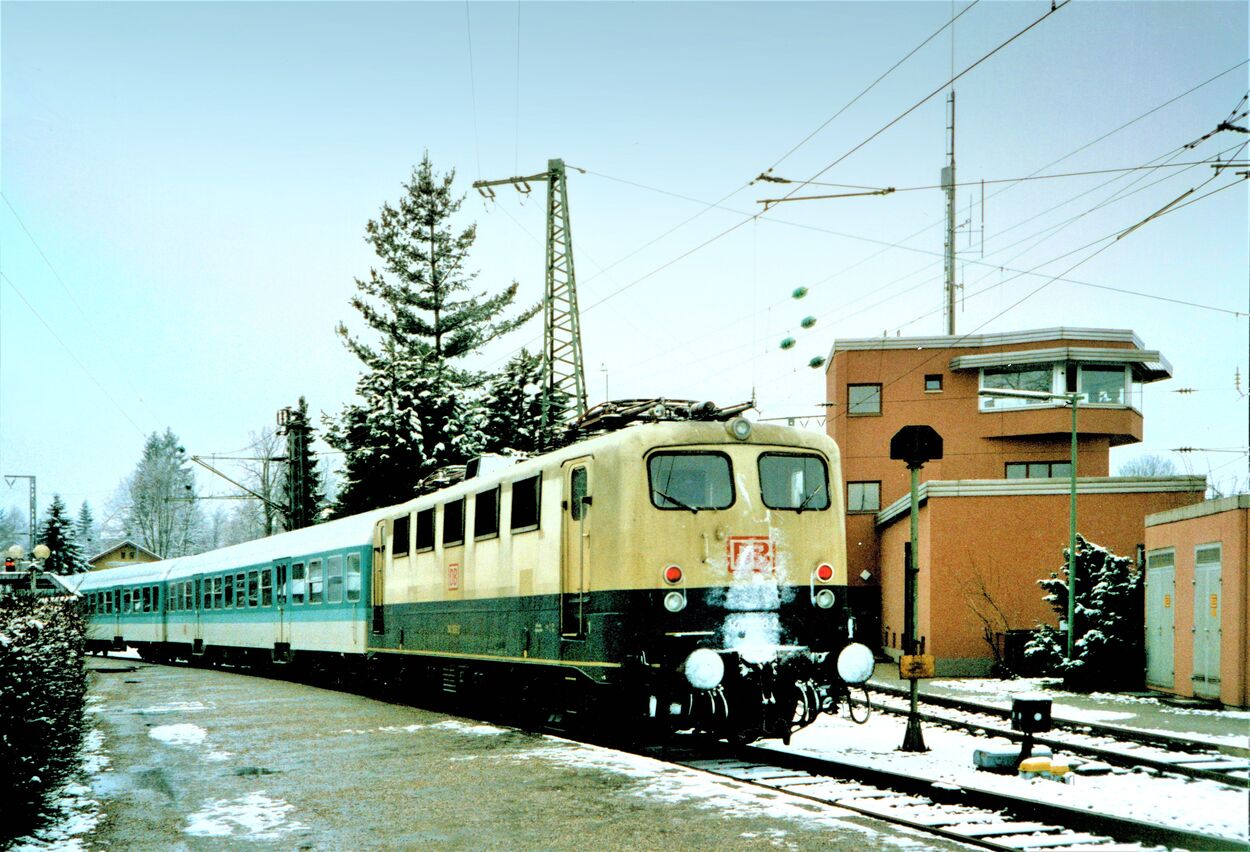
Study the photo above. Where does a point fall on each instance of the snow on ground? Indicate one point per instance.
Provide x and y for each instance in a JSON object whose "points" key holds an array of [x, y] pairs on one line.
{"points": [[657, 780], [1196, 805], [174, 707], [255, 816], [182, 734], [72, 813]]}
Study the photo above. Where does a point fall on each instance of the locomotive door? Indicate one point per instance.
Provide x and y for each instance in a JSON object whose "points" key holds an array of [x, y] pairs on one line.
{"points": [[377, 577], [575, 553]]}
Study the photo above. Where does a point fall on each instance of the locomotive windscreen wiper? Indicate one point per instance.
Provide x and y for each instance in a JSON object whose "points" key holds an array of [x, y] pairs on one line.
{"points": [[670, 498], [808, 498]]}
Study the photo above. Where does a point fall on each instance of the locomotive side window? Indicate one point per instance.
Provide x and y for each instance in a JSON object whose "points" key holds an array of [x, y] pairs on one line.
{"points": [[297, 583], [690, 481], [486, 514], [334, 579], [792, 481], [353, 577], [425, 530], [525, 501], [399, 536], [453, 522]]}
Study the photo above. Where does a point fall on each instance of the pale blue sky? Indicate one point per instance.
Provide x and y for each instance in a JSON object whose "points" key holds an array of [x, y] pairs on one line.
{"points": [[199, 176]]}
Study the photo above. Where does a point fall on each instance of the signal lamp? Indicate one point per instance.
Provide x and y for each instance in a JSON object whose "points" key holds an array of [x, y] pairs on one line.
{"points": [[739, 428], [672, 575], [824, 598], [824, 572]]}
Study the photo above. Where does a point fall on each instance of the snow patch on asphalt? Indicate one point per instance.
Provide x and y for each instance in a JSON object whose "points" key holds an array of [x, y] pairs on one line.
{"points": [[175, 707], [218, 756], [179, 735], [255, 815], [466, 728]]}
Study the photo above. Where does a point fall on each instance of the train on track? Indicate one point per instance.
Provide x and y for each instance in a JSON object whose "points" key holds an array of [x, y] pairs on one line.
{"points": [[673, 574]]}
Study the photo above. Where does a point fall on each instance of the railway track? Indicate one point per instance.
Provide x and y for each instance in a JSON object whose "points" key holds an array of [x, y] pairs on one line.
{"points": [[1113, 745], [982, 818]]}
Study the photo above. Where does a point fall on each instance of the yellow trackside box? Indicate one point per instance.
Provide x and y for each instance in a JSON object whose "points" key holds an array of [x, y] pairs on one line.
{"points": [[915, 666]]}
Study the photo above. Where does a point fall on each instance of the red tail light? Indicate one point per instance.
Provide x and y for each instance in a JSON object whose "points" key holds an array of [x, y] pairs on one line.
{"points": [[672, 575], [824, 572]]}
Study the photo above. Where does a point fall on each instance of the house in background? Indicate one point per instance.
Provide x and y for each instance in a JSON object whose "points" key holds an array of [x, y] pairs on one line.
{"points": [[994, 509], [1197, 601], [119, 553]]}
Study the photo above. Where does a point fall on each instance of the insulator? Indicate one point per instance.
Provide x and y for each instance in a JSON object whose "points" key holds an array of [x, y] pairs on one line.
{"points": [[787, 343], [799, 292], [808, 322], [818, 361]]}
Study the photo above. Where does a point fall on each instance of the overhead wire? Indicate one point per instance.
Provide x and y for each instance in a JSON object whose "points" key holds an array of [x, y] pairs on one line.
{"points": [[477, 143]]}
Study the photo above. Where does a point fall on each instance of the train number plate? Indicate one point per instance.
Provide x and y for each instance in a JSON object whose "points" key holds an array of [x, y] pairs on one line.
{"points": [[751, 554], [453, 576]]}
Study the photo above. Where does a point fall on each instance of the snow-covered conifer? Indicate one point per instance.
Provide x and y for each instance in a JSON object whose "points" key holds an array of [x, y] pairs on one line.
{"points": [[57, 532]]}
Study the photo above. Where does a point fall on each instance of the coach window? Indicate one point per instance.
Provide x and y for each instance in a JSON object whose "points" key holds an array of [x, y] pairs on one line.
{"points": [[690, 481], [187, 597], [240, 591], [453, 522], [266, 587], [793, 481], [219, 592], [297, 583], [334, 578], [399, 536], [863, 400], [227, 583], [486, 514], [425, 530], [253, 589], [353, 577], [147, 599], [525, 500], [175, 598], [315, 582]]}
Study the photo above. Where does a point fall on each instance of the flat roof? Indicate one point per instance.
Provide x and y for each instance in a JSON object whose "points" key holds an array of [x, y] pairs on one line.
{"points": [[976, 341], [1034, 487], [1199, 510]]}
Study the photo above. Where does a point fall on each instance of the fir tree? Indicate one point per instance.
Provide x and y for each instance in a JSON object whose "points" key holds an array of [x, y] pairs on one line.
{"points": [[57, 532], [514, 408], [1109, 651], [84, 529], [418, 409]]}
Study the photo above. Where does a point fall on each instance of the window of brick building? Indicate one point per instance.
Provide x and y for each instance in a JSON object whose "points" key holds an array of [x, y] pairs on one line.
{"points": [[863, 399], [863, 496]]}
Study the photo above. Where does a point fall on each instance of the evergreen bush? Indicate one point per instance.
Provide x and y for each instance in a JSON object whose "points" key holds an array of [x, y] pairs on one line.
{"points": [[42, 695]]}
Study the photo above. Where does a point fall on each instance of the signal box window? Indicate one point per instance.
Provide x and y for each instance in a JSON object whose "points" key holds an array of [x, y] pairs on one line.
{"points": [[1039, 379], [1103, 385], [933, 382], [863, 496], [690, 481], [525, 501], [863, 400], [794, 481], [399, 536], [453, 522], [353, 577], [486, 514], [1038, 470], [425, 530]]}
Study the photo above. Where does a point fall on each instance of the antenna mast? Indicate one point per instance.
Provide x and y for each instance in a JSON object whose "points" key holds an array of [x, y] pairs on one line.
{"points": [[948, 186]]}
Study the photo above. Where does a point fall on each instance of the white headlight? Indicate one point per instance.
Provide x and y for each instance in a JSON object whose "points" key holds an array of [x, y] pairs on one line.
{"points": [[739, 428], [674, 602], [704, 668], [824, 598], [855, 663]]}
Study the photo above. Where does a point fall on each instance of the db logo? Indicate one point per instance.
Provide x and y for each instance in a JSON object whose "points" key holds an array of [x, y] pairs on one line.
{"points": [[750, 553], [453, 576]]}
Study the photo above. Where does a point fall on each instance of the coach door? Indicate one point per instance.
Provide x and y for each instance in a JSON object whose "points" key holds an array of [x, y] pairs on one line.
{"points": [[575, 553], [1160, 618], [378, 578], [281, 600], [1207, 621]]}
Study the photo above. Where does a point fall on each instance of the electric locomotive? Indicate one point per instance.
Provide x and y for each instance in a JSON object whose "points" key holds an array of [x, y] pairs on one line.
{"points": [[674, 574]]}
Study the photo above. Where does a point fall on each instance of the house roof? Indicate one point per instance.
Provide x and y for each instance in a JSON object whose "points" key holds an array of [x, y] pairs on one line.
{"points": [[126, 542]]}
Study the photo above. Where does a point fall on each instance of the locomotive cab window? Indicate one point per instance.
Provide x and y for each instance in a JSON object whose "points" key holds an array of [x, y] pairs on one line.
{"points": [[791, 481], [525, 501], [690, 481]]}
